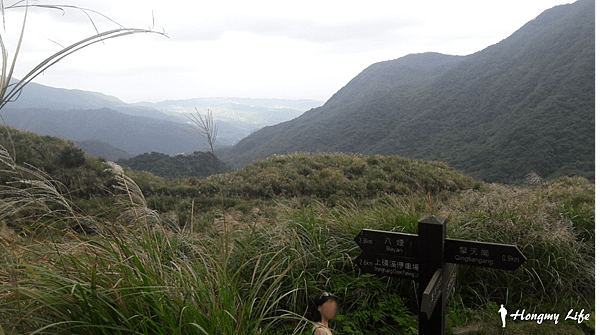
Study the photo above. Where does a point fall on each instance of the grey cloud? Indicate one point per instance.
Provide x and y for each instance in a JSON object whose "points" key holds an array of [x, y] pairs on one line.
{"points": [[349, 36], [313, 31], [369, 32]]}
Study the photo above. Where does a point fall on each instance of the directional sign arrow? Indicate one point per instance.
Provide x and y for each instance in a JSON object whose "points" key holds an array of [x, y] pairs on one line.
{"points": [[384, 265], [387, 243], [432, 293], [448, 281], [483, 254], [440, 285]]}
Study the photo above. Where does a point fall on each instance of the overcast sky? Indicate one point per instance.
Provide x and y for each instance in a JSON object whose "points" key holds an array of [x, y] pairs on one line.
{"points": [[255, 49]]}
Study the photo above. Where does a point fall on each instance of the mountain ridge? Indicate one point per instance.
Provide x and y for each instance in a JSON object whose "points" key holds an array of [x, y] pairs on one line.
{"points": [[524, 104], [36, 95]]}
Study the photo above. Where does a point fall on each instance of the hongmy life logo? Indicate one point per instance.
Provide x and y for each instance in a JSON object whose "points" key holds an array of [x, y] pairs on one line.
{"points": [[522, 315]]}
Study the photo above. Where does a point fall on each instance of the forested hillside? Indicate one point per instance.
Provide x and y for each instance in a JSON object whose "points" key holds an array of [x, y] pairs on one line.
{"points": [[95, 148], [199, 165], [523, 105]]}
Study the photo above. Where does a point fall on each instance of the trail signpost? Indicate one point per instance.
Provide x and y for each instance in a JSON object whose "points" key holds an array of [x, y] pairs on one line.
{"points": [[432, 259]]}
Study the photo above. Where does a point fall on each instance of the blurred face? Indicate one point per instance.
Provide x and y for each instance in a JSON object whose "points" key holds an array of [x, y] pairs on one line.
{"points": [[328, 309]]}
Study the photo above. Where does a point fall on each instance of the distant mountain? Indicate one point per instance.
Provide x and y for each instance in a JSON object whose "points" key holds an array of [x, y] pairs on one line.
{"points": [[244, 113], [41, 96], [95, 148], [235, 117], [524, 104]]}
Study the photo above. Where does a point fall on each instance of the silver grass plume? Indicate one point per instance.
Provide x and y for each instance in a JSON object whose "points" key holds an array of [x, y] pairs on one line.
{"points": [[130, 197]]}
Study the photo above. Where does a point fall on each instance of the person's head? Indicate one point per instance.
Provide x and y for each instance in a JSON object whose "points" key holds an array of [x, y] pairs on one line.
{"points": [[325, 305]]}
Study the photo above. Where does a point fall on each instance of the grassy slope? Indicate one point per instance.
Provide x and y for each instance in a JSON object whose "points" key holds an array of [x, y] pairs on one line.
{"points": [[244, 251]]}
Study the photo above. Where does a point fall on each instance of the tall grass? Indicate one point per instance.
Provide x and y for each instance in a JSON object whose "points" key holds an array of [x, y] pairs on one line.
{"points": [[140, 276], [140, 279], [550, 223], [135, 276]]}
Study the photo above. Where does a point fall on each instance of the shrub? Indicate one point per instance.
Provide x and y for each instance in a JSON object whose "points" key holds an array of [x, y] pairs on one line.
{"points": [[71, 157]]}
